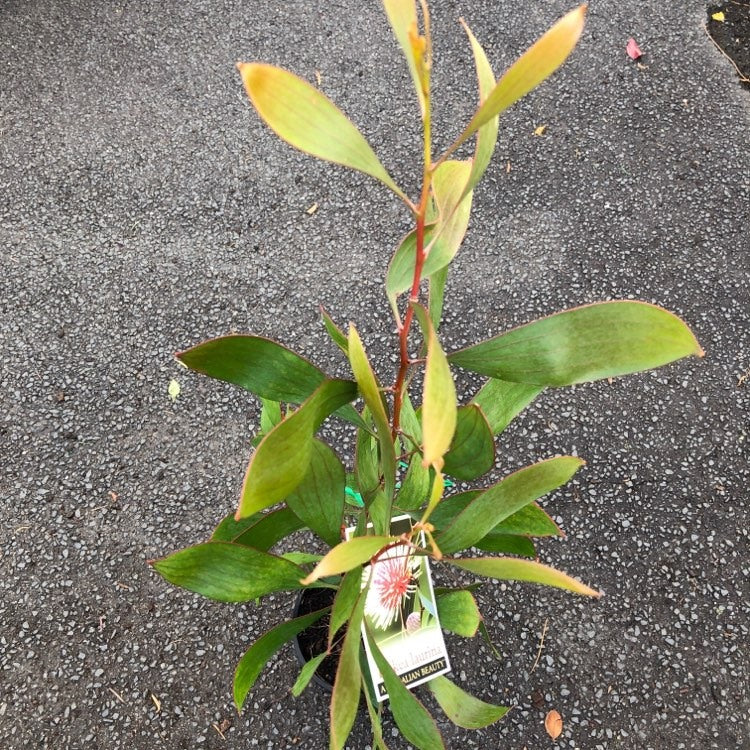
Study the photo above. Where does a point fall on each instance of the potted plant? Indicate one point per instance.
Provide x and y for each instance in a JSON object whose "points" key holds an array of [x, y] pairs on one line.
{"points": [[395, 513]]}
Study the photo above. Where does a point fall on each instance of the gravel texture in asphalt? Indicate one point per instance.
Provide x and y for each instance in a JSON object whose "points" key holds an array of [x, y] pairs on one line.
{"points": [[144, 207]]}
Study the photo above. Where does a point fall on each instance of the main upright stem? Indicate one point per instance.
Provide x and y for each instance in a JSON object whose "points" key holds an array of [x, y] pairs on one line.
{"points": [[420, 217]]}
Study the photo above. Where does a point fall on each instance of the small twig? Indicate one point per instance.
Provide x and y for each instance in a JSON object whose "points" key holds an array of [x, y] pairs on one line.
{"points": [[742, 76], [117, 695], [541, 646]]}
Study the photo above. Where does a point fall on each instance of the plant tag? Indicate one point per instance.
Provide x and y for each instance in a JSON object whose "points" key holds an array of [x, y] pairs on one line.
{"points": [[402, 615]]}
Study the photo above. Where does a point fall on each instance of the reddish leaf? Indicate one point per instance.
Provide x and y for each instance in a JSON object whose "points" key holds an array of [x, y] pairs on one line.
{"points": [[633, 50]]}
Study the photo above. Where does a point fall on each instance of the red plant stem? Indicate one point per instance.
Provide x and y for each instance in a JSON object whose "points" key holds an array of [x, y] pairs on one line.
{"points": [[403, 333]]}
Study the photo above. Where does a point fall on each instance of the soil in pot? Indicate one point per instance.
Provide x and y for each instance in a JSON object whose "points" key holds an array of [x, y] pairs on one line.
{"points": [[313, 640]]}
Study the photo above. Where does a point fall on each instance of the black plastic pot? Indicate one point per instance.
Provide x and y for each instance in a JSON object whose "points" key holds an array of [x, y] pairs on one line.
{"points": [[313, 640]]}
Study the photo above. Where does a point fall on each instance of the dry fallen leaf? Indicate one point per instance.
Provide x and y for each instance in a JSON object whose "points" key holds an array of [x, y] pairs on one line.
{"points": [[718, 16], [633, 50], [310, 211], [540, 130], [553, 724]]}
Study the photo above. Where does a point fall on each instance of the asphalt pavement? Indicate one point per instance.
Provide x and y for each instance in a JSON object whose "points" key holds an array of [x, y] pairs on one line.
{"points": [[144, 208]]}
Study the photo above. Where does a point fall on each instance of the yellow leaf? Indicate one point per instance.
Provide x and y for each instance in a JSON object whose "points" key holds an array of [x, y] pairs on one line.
{"points": [[718, 17], [439, 411], [173, 390], [308, 120], [540, 130], [553, 724]]}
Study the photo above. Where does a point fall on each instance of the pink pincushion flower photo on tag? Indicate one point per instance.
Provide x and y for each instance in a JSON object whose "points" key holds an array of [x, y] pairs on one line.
{"points": [[401, 615]]}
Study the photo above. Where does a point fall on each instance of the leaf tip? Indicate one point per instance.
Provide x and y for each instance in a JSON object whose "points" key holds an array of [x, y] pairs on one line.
{"points": [[307, 580]]}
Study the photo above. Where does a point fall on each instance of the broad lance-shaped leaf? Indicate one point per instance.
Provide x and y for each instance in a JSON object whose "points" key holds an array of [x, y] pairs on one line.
{"points": [[462, 708], [402, 15], [502, 401], [370, 390], [503, 499], [508, 544], [306, 674], [439, 403], [346, 687], [459, 613], [319, 498], [412, 718], [308, 120], [415, 487], [530, 520], [511, 569], [229, 572], [258, 365], [347, 555], [255, 658], [281, 460], [260, 530], [487, 135], [538, 63], [337, 335], [443, 238], [597, 341], [345, 601], [472, 452]]}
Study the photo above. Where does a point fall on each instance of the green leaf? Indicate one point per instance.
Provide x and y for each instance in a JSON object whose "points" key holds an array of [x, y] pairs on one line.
{"points": [[509, 544], [370, 390], [402, 15], [530, 520], [261, 530], [319, 498], [306, 674], [443, 238], [504, 498], [487, 136], [281, 460], [229, 572], [308, 120], [410, 424], [379, 511], [512, 569], [439, 402], [464, 709], [459, 613], [415, 489], [437, 295], [375, 716], [337, 335], [346, 598], [255, 658], [258, 365], [538, 63], [586, 343], [472, 452], [501, 401], [302, 558], [270, 414], [346, 688], [366, 462], [450, 507], [348, 555], [412, 718]]}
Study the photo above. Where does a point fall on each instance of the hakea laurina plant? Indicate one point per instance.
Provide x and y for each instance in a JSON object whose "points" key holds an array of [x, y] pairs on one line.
{"points": [[404, 451]]}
